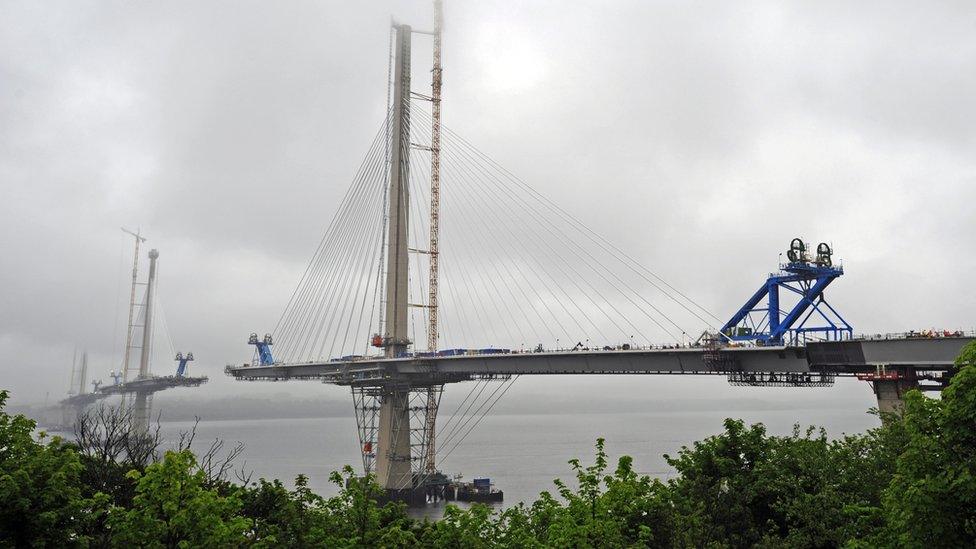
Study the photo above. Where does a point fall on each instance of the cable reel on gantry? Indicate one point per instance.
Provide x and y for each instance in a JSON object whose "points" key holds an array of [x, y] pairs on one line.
{"points": [[797, 251], [824, 254]]}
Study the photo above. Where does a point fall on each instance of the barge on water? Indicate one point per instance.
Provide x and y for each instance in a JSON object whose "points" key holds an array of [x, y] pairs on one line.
{"points": [[480, 490], [439, 487]]}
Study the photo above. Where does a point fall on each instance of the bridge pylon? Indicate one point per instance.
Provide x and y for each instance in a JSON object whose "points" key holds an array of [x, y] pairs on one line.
{"points": [[140, 413], [393, 460]]}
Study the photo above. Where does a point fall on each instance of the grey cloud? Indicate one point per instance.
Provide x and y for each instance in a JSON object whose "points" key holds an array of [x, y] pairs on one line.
{"points": [[699, 137]]}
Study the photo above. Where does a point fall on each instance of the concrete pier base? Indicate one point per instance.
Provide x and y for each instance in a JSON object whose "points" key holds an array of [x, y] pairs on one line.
{"points": [[413, 497], [393, 471], [890, 393], [140, 413], [69, 415]]}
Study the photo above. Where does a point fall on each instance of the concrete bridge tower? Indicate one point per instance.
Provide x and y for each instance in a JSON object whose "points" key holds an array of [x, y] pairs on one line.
{"points": [[140, 412], [393, 465]]}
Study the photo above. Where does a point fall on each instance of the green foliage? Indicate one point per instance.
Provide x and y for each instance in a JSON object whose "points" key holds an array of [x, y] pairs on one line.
{"points": [[909, 483], [272, 510], [300, 518], [40, 494], [935, 480], [353, 518], [172, 508], [967, 357], [744, 488]]}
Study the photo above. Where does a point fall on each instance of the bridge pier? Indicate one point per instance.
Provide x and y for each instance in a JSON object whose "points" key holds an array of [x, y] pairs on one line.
{"points": [[69, 415], [890, 393], [393, 464], [140, 413]]}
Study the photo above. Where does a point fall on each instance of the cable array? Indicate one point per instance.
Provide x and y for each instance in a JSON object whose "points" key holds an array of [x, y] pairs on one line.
{"points": [[517, 271], [338, 298]]}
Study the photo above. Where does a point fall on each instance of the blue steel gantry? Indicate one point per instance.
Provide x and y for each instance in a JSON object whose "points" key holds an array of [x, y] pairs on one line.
{"points": [[182, 360], [764, 321], [262, 347]]}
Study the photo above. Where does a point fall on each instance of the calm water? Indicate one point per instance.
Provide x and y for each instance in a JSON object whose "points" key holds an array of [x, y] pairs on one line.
{"points": [[522, 454]]}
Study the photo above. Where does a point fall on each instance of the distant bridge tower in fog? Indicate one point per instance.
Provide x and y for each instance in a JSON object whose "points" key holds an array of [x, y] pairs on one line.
{"points": [[145, 384]]}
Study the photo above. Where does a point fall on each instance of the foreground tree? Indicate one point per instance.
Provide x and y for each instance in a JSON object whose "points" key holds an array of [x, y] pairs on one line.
{"points": [[352, 518], [40, 492], [931, 501], [744, 488], [109, 447], [173, 508]]}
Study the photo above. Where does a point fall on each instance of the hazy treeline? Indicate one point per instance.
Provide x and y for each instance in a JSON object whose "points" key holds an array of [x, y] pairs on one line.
{"points": [[909, 483]]}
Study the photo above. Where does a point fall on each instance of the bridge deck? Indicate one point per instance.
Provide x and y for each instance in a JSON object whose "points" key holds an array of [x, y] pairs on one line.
{"points": [[147, 385], [847, 357]]}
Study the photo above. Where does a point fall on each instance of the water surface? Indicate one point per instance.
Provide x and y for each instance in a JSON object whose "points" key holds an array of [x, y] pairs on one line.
{"points": [[521, 453]]}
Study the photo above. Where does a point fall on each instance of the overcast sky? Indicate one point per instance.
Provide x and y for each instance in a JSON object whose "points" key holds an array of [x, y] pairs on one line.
{"points": [[701, 137]]}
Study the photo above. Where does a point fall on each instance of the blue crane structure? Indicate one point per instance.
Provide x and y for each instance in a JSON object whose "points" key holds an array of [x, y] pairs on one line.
{"points": [[262, 347], [762, 319], [182, 360]]}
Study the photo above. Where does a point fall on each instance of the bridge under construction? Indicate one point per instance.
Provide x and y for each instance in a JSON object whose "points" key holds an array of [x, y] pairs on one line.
{"points": [[137, 382], [394, 417], [514, 267]]}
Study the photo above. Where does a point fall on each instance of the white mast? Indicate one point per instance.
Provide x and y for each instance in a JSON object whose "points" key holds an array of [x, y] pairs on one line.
{"points": [[433, 394], [435, 176], [132, 303]]}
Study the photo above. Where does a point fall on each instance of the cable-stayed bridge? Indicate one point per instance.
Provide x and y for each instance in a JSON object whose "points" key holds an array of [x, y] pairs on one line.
{"points": [[440, 266], [134, 376]]}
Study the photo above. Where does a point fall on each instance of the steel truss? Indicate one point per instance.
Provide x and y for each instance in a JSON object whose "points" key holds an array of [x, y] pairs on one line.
{"points": [[423, 417], [366, 401], [782, 379], [421, 405]]}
